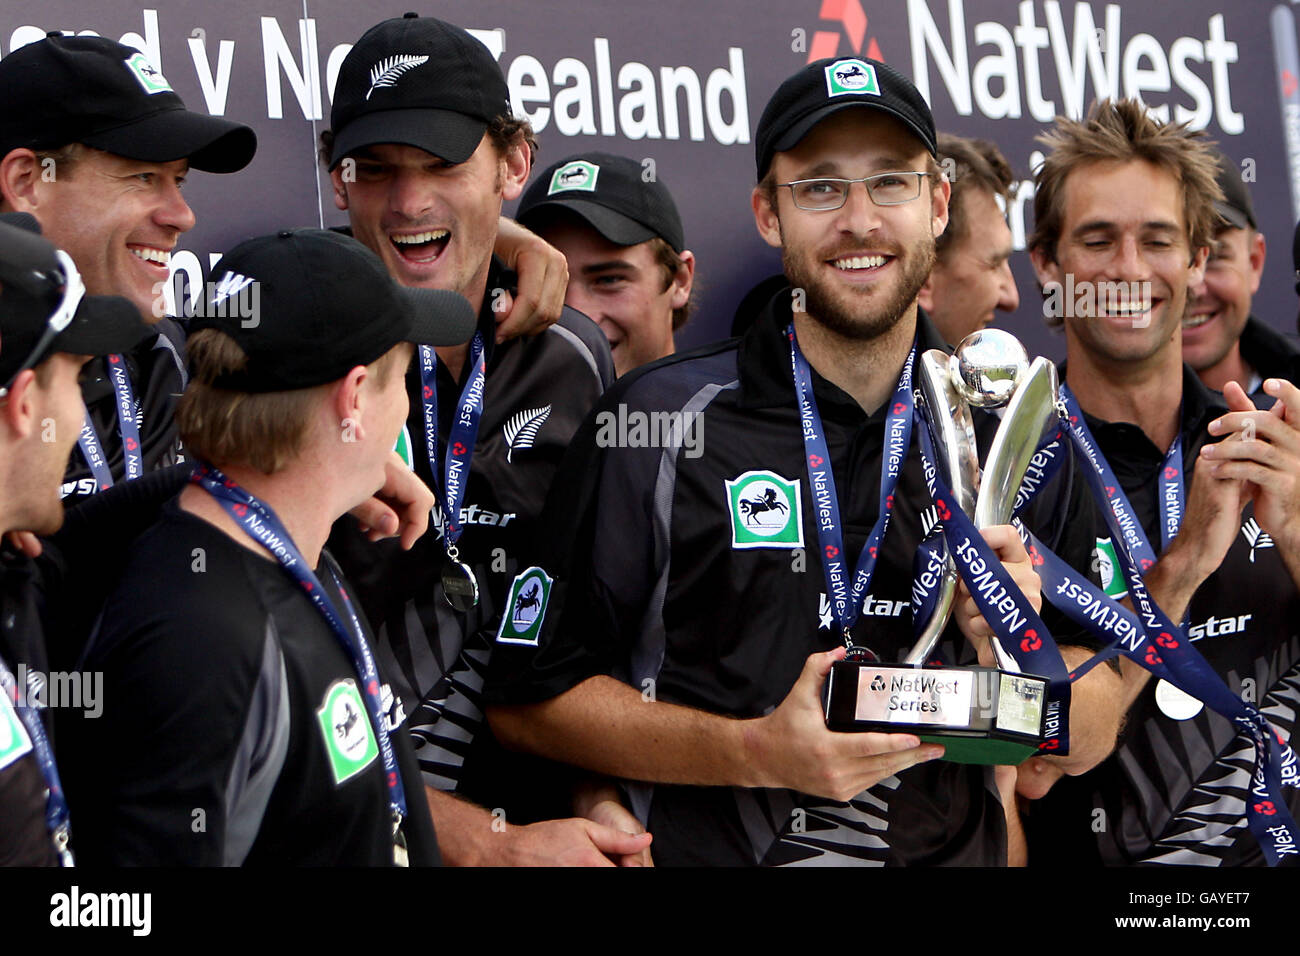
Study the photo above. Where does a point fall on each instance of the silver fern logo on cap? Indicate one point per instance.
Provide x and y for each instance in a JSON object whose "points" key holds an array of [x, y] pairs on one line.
{"points": [[521, 431], [387, 71]]}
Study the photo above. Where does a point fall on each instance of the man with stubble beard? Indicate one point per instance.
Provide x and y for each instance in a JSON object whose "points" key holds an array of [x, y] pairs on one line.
{"points": [[677, 632]]}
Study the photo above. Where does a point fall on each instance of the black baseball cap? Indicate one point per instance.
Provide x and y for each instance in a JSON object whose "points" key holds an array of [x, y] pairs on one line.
{"points": [[1235, 209], [323, 304], [610, 194], [43, 308], [104, 94], [420, 82], [827, 86]]}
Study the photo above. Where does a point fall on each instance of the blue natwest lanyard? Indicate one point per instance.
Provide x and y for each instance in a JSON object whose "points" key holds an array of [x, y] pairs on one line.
{"points": [[91, 447], [452, 483], [1171, 487], [56, 807], [1151, 639], [1012, 618], [846, 602], [256, 518]]}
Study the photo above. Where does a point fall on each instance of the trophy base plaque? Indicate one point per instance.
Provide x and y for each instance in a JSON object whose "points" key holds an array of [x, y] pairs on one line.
{"points": [[979, 714]]}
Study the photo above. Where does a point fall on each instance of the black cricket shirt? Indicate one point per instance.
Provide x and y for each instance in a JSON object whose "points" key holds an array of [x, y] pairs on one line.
{"points": [[655, 585], [232, 730], [156, 369], [536, 393], [1174, 791]]}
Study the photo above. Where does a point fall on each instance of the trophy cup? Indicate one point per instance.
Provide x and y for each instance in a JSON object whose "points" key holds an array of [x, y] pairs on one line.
{"points": [[981, 715]]}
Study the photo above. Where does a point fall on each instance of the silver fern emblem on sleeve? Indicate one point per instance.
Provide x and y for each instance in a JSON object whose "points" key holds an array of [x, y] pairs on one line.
{"points": [[521, 430], [1256, 537], [387, 70]]}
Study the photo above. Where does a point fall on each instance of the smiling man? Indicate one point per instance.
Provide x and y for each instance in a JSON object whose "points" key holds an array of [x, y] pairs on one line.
{"points": [[95, 144], [422, 152], [629, 269], [47, 331], [684, 632], [1222, 340], [1126, 202]]}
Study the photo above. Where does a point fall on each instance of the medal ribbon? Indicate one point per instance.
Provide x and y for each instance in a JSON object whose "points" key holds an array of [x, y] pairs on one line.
{"points": [[91, 447], [56, 806], [846, 601], [1019, 629], [1171, 487], [452, 483], [1169, 655], [262, 525]]}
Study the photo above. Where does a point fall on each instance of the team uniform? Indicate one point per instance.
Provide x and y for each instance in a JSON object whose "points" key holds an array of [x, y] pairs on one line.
{"points": [[24, 839], [1175, 789], [695, 575], [536, 393], [156, 369], [1272, 355], [233, 731]]}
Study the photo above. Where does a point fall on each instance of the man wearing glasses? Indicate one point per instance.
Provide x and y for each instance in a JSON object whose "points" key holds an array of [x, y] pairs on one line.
{"points": [[679, 631]]}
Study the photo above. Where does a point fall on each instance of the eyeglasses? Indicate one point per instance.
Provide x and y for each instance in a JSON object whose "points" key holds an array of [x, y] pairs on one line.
{"points": [[885, 189], [73, 292]]}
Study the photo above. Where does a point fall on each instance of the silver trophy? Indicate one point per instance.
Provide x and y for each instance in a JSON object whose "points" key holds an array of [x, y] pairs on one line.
{"points": [[980, 715]]}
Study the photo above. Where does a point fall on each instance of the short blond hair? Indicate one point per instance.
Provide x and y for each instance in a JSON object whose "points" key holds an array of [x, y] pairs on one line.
{"points": [[263, 430], [1124, 130]]}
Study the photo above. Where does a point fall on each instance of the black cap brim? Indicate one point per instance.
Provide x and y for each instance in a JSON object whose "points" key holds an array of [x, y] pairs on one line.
{"points": [[104, 324], [211, 144], [446, 134], [614, 226], [438, 317], [791, 137], [1232, 216]]}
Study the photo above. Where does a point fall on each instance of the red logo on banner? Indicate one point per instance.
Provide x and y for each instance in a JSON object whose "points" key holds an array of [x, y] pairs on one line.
{"points": [[1289, 83], [889, 502], [458, 449], [1110, 490], [832, 551], [1049, 744], [1166, 640], [1153, 657], [240, 510], [1146, 564], [899, 408], [814, 460], [307, 586], [115, 359], [1031, 642], [872, 549], [853, 24], [132, 444], [1171, 472], [1265, 807], [944, 513], [428, 391], [1034, 557]]}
